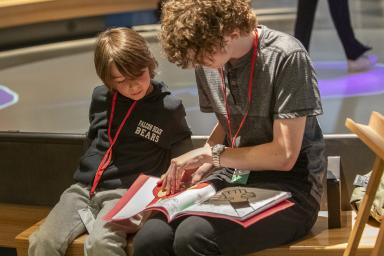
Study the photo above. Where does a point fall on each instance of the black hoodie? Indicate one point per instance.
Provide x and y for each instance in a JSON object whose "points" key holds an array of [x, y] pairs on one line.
{"points": [[144, 145]]}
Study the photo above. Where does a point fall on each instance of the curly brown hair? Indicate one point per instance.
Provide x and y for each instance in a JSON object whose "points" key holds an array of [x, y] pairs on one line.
{"points": [[127, 49], [194, 29]]}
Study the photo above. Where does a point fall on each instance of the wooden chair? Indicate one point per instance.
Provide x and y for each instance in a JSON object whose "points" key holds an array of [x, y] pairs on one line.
{"points": [[373, 136]]}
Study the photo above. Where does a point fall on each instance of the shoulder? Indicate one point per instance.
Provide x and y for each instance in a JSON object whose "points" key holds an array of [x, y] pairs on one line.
{"points": [[279, 42], [205, 71], [169, 100], [173, 103], [100, 93], [100, 98]]}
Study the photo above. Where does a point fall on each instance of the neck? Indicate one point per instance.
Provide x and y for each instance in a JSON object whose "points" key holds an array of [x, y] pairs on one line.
{"points": [[242, 46]]}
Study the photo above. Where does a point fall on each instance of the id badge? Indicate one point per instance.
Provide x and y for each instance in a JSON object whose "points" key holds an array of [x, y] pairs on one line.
{"points": [[87, 218], [240, 177]]}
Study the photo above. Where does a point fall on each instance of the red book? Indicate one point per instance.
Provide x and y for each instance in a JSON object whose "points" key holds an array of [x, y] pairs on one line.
{"points": [[243, 205]]}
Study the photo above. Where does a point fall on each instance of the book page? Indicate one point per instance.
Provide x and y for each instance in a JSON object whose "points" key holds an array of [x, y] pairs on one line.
{"points": [[136, 199], [179, 202], [238, 202]]}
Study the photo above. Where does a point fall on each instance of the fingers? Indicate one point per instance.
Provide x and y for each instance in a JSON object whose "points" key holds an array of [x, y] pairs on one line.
{"points": [[196, 178], [160, 182], [172, 180], [179, 175], [169, 186], [171, 177], [164, 178], [186, 178], [201, 172]]}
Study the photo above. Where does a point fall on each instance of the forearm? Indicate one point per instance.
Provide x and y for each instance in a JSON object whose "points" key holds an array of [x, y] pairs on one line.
{"points": [[217, 136], [269, 156], [280, 154]]}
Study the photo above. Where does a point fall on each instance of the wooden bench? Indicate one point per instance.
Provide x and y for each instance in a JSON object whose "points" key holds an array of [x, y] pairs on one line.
{"points": [[75, 249], [321, 241], [15, 218], [63, 150]]}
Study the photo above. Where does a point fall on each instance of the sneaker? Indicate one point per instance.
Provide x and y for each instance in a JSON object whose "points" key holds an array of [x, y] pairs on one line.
{"points": [[363, 63]]}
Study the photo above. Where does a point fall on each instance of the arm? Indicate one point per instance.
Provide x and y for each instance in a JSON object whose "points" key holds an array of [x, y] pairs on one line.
{"points": [[280, 154], [217, 136], [171, 180]]}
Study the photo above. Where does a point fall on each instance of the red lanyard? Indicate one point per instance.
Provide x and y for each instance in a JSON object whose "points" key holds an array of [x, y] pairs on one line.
{"points": [[108, 155], [250, 83]]}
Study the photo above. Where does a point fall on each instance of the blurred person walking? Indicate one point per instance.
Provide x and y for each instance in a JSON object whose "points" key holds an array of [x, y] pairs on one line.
{"points": [[356, 53]]}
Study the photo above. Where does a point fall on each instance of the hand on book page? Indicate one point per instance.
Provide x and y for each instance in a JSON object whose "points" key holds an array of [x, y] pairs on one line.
{"points": [[243, 205]]}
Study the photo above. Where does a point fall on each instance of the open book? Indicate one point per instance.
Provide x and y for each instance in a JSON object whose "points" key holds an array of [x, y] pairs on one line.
{"points": [[242, 205]]}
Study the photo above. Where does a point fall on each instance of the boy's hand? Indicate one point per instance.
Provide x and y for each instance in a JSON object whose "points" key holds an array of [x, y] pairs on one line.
{"points": [[190, 161]]}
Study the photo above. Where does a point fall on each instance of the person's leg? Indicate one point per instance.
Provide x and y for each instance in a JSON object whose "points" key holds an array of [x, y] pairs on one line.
{"points": [[305, 16], [62, 225], [107, 238], [155, 238], [208, 236], [341, 18]]}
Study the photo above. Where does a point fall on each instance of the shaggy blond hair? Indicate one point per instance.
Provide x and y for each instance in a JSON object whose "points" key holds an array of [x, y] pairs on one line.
{"points": [[194, 29], [127, 49]]}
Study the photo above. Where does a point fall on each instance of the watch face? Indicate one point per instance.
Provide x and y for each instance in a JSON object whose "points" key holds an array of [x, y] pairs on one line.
{"points": [[218, 148]]}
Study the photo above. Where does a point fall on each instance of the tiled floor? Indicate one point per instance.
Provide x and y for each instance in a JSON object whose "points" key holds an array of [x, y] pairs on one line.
{"points": [[54, 93]]}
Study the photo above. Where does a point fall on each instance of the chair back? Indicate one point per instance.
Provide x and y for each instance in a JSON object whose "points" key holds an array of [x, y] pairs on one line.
{"points": [[373, 136]]}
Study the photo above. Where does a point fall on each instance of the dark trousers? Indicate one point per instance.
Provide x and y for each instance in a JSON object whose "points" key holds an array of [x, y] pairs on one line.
{"points": [[341, 18], [196, 235]]}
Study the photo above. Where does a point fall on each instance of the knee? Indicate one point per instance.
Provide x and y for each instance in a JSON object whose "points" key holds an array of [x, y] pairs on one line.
{"points": [[183, 244], [105, 243], [42, 242], [94, 243], [154, 244], [154, 238], [195, 235]]}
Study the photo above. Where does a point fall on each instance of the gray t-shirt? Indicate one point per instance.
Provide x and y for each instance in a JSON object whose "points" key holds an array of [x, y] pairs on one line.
{"points": [[284, 86]]}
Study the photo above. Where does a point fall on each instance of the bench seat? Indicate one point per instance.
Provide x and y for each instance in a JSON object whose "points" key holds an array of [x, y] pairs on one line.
{"points": [[75, 249], [321, 241], [15, 218], [327, 242]]}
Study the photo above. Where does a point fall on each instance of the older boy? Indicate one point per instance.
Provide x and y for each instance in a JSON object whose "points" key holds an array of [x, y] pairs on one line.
{"points": [[135, 126], [262, 87]]}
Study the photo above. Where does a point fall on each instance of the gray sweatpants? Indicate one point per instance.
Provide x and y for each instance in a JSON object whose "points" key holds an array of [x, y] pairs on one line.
{"points": [[63, 225]]}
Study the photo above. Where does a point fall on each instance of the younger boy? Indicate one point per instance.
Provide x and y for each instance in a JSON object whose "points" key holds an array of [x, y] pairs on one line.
{"points": [[135, 126]]}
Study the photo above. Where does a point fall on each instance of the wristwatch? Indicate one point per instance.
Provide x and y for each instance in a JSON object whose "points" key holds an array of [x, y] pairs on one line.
{"points": [[216, 152]]}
